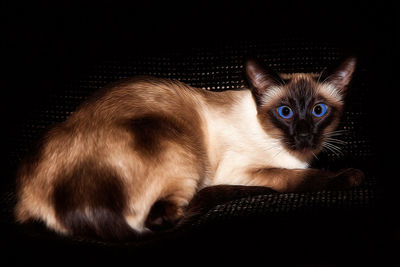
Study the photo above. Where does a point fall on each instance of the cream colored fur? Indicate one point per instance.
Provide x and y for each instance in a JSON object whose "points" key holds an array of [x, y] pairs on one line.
{"points": [[237, 143]]}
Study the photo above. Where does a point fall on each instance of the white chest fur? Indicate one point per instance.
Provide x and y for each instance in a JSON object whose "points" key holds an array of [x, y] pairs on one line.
{"points": [[238, 144]]}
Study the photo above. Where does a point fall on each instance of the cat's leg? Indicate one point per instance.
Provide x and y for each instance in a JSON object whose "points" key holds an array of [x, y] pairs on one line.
{"points": [[167, 212], [297, 180], [169, 187], [173, 155]]}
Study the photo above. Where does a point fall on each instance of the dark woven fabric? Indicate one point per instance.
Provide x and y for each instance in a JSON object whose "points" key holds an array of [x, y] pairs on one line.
{"points": [[273, 204]]}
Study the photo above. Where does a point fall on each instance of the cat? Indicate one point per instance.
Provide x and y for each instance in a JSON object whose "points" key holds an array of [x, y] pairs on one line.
{"points": [[148, 143]]}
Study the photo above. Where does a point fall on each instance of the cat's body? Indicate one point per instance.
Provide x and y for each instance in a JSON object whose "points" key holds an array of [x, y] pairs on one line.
{"points": [[150, 140]]}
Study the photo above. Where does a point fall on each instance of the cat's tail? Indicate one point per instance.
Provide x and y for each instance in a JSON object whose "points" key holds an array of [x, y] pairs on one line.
{"points": [[91, 202], [100, 223]]}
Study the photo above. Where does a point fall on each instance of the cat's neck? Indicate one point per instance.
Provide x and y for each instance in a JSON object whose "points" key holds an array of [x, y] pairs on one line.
{"points": [[233, 127]]}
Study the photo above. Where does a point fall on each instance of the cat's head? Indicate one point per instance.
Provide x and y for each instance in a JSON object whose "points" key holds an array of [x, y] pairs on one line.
{"points": [[299, 109]]}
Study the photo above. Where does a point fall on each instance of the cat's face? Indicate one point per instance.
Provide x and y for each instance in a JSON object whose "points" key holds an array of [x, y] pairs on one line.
{"points": [[299, 109]]}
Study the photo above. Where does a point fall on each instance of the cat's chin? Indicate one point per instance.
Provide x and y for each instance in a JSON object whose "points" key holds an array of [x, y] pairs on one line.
{"points": [[304, 153]]}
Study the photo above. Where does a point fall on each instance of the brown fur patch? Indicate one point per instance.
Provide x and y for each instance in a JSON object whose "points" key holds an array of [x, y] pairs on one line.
{"points": [[90, 200], [151, 131]]}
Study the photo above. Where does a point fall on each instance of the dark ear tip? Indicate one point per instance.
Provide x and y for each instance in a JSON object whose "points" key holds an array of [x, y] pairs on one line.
{"points": [[250, 62], [349, 62], [352, 60]]}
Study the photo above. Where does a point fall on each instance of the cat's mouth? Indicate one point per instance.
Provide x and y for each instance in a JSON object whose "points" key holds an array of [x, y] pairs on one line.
{"points": [[303, 144], [306, 150]]}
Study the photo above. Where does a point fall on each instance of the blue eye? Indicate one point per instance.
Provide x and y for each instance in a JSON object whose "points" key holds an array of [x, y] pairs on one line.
{"points": [[319, 110], [285, 112]]}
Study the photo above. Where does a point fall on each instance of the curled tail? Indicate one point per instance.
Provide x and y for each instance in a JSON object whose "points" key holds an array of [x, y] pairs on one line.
{"points": [[101, 223], [90, 201]]}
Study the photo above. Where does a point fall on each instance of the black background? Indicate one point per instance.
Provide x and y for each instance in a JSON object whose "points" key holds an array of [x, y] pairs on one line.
{"points": [[44, 44]]}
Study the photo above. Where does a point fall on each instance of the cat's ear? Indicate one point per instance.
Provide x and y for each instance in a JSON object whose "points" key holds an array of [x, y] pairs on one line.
{"points": [[259, 78], [341, 76]]}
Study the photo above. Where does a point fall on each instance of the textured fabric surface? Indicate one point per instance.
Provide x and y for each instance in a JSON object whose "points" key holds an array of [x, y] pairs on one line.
{"points": [[291, 202]]}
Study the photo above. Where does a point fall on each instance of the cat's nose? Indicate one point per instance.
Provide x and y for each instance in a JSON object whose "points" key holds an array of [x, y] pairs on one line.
{"points": [[303, 129], [303, 140], [304, 135]]}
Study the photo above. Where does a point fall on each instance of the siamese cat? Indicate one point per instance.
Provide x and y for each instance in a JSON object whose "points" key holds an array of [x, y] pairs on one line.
{"points": [[148, 141]]}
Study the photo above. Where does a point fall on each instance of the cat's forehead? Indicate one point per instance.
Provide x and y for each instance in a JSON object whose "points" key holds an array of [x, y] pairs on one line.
{"points": [[306, 86], [301, 85], [287, 77]]}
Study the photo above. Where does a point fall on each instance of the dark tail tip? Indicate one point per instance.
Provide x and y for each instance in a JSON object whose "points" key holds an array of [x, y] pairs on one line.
{"points": [[97, 223], [90, 201]]}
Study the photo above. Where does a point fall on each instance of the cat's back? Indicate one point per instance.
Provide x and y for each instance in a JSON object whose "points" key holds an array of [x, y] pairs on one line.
{"points": [[140, 96], [139, 111], [109, 147]]}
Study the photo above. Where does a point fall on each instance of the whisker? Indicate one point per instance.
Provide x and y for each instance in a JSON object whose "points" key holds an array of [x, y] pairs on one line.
{"points": [[335, 133], [338, 130], [335, 140], [328, 149], [333, 148]]}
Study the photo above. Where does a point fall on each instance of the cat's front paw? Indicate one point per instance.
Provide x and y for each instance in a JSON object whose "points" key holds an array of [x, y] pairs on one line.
{"points": [[347, 178], [353, 176]]}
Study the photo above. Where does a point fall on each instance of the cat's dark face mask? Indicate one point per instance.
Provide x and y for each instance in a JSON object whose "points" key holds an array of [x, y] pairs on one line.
{"points": [[302, 117], [300, 109]]}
